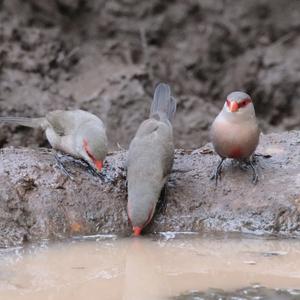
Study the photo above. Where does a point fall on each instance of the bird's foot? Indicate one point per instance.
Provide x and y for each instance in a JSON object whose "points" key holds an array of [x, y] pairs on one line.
{"points": [[216, 176], [243, 165], [252, 163], [217, 173], [61, 165], [254, 170]]}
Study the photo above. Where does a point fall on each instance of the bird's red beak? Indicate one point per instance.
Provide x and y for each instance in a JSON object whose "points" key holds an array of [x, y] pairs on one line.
{"points": [[98, 164], [233, 106], [137, 231]]}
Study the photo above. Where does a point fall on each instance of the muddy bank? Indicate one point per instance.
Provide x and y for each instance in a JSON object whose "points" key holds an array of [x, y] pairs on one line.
{"points": [[38, 201], [107, 56]]}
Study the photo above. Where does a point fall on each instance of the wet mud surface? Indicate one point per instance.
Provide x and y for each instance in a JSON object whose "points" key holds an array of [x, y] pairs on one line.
{"points": [[107, 57], [248, 293], [39, 201]]}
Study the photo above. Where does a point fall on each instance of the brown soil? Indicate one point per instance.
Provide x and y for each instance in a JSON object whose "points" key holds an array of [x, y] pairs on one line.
{"points": [[107, 57]]}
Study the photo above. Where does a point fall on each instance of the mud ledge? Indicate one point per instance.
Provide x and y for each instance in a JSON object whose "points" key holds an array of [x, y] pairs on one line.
{"points": [[37, 201]]}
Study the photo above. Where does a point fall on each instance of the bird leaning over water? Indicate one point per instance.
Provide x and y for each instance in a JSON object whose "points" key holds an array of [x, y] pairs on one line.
{"points": [[235, 133], [150, 159], [76, 132]]}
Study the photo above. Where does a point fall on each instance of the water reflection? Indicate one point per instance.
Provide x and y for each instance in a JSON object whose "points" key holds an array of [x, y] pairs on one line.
{"points": [[143, 274]]}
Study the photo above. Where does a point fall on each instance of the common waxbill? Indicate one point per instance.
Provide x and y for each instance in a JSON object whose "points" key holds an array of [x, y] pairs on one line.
{"points": [[235, 133], [77, 132], [150, 159]]}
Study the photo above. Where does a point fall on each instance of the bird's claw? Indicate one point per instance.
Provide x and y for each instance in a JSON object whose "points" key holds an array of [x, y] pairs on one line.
{"points": [[252, 163], [255, 179], [217, 174]]}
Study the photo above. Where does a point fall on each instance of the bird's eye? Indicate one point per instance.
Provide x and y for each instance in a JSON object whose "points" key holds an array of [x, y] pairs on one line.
{"points": [[242, 104], [228, 103]]}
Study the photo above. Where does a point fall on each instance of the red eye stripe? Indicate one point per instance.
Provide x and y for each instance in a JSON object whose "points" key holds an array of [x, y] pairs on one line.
{"points": [[87, 150], [244, 102], [89, 154], [228, 103]]}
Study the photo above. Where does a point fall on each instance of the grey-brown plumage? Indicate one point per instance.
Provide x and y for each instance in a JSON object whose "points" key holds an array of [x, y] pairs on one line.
{"points": [[150, 159], [77, 132], [234, 132]]}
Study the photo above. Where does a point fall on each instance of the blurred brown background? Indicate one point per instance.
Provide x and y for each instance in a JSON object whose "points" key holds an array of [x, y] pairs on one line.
{"points": [[107, 57]]}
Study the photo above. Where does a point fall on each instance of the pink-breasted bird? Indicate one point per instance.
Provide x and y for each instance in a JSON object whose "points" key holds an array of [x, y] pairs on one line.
{"points": [[76, 132], [150, 159], [235, 133]]}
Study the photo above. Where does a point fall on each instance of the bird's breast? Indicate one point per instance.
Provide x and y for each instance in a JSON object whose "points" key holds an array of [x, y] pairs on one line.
{"points": [[236, 141]]}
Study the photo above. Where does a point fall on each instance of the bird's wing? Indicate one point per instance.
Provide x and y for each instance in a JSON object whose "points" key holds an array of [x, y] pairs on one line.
{"points": [[153, 141], [66, 122], [58, 119]]}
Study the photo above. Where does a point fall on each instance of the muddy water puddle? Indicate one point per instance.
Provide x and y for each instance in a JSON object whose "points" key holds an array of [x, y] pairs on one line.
{"points": [[159, 267]]}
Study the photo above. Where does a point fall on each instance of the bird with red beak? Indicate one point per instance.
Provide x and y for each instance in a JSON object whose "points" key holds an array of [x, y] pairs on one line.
{"points": [[150, 159], [235, 133], [77, 132]]}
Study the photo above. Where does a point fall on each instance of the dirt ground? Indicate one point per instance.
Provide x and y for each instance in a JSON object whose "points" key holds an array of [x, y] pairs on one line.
{"points": [[107, 57]]}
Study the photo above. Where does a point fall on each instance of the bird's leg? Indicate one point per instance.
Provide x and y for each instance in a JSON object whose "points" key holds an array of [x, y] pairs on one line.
{"points": [[252, 163], [243, 164], [62, 167], [217, 174], [162, 201]]}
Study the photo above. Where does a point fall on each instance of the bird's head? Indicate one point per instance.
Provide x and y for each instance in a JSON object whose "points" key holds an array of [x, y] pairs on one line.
{"points": [[140, 215], [238, 103], [92, 144]]}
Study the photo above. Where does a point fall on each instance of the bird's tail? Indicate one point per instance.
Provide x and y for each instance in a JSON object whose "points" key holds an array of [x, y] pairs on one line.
{"points": [[28, 122], [163, 103]]}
